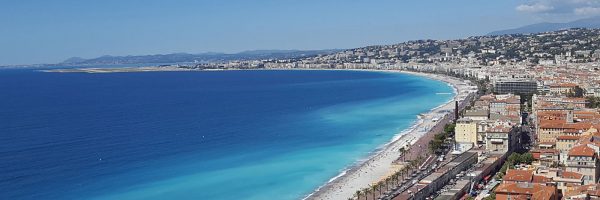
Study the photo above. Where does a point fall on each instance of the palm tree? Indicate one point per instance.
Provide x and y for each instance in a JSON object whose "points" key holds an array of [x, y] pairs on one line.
{"points": [[402, 151], [358, 193], [400, 177], [387, 183], [373, 189], [395, 180], [366, 191], [415, 165], [403, 172], [408, 168], [380, 188]]}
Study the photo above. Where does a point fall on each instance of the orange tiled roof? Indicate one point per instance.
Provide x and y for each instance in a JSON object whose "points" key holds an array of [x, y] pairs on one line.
{"points": [[592, 190], [563, 85], [518, 175], [568, 137], [541, 179], [574, 99], [573, 175], [545, 151], [519, 190], [561, 124], [582, 150], [547, 143]]}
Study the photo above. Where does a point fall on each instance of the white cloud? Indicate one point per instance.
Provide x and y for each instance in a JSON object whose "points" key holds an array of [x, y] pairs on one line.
{"points": [[534, 8], [587, 11], [585, 2], [562, 8]]}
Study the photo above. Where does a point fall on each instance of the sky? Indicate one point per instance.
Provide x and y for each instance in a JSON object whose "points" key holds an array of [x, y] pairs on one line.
{"points": [[42, 31]]}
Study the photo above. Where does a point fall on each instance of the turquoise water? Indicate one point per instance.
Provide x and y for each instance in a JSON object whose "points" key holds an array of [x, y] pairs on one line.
{"points": [[197, 135]]}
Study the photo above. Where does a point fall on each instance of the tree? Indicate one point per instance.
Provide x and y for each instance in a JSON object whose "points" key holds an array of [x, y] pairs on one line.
{"points": [[527, 158], [366, 191], [437, 142], [514, 158], [358, 193], [449, 128], [414, 164], [385, 182], [593, 102], [373, 189], [397, 179], [575, 92], [505, 167], [402, 151], [408, 168], [491, 197]]}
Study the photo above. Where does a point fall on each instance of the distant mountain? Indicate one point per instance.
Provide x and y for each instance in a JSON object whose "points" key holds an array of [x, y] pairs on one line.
{"points": [[74, 60], [203, 57], [593, 22]]}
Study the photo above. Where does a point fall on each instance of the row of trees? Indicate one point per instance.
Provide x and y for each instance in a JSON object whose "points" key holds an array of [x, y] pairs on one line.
{"points": [[437, 143], [390, 183], [576, 92], [593, 102], [515, 159]]}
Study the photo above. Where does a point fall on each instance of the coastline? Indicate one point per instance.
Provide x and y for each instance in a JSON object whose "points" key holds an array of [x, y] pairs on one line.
{"points": [[379, 163], [365, 170], [94, 70]]}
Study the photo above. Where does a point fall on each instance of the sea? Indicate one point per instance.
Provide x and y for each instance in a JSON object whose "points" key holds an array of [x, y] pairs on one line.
{"points": [[261, 134]]}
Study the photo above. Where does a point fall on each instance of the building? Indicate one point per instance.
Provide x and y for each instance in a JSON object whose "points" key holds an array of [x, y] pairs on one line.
{"points": [[549, 130], [583, 192], [466, 131], [583, 159], [564, 143], [438, 179], [563, 88], [515, 86], [507, 191], [565, 181], [518, 176], [545, 157], [476, 115], [498, 108], [501, 137]]}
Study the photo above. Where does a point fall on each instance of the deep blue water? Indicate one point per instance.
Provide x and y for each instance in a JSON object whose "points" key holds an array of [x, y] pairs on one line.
{"points": [[196, 135]]}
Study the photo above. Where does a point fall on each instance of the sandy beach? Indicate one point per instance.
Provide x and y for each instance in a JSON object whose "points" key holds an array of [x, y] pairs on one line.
{"points": [[380, 164]]}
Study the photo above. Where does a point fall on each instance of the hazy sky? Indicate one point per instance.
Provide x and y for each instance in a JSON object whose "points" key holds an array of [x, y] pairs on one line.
{"points": [[49, 31]]}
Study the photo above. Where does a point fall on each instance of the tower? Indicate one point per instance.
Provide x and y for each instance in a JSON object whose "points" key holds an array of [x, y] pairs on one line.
{"points": [[455, 110]]}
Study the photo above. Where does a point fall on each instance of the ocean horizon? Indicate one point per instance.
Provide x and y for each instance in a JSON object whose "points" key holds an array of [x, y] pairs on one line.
{"points": [[253, 134]]}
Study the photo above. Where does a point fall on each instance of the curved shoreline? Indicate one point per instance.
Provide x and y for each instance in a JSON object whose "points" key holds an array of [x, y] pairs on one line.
{"points": [[378, 164]]}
